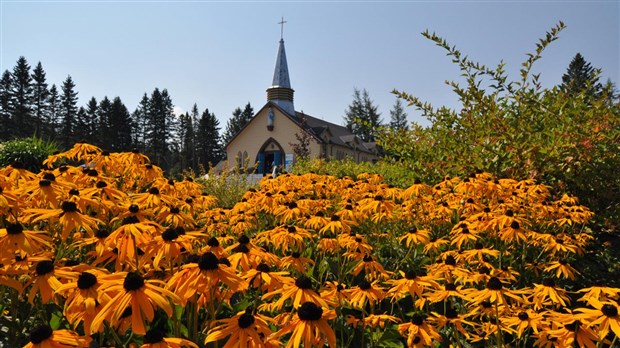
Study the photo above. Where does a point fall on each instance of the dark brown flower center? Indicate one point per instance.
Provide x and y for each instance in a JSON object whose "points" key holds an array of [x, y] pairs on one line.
{"points": [[154, 191], [133, 281], [101, 184], [411, 275], [364, 285], [40, 333], [303, 282], [245, 320], [174, 210], [213, 242], [263, 267], [309, 311], [14, 229], [523, 316], [549, 282], [609, 310], [417, 319], [45, 183], [494, 284], [69, 207], [450, 260], [244, 239], [169, 235], [153, 336], [451, 287], [86, 280], [208, 261], [515, 225], [44, 267]]}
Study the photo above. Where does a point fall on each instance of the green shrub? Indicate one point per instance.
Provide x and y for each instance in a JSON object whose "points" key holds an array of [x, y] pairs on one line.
{"points": [[229, 185], [517, 129], [29, 152]]}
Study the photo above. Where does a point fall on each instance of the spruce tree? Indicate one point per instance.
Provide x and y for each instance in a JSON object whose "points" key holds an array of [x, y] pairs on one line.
{"points": [[238, 120], [362, 117], [186, 135], [139, 122], [40, 99], [398, 117], [68, 112], [581, 77], [21, 103], [103, 121], [52, 121], [119, 126], [208, 145], [5, 105], [80, 128], [92, 120]]}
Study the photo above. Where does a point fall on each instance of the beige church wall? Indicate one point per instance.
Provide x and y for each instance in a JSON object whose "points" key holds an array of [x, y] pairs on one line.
{"points": [[255, 134]]}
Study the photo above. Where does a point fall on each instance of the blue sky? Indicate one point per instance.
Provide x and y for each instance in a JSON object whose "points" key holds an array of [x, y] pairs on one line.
{"points": [[221, 54]]}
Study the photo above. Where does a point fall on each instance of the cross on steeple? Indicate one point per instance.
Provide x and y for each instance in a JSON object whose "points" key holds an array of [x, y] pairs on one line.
{"points": [[282, 28]]}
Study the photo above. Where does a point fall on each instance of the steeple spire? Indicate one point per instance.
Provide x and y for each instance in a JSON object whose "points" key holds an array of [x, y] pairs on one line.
{"points": [[280, 91]]}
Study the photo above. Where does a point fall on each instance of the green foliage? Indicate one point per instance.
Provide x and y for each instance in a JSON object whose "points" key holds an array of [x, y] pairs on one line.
{"points": [[228, 185], [30, 152], [362, 117], [517, 129]]}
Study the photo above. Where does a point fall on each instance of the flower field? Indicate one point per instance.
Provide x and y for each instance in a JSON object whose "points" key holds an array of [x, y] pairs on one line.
{"points": [[110, 253]]}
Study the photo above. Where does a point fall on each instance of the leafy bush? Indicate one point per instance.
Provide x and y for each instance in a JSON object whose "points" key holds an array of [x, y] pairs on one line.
{"points": [[228, 186], [517, 129], [28, 152]]}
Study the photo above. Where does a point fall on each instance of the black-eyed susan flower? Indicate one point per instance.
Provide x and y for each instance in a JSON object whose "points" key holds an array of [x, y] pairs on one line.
{"points": [[419, 332], [365, 293], [203, 276], [154, 338], [296, 262], [130, 289], [548, 293], [522, 320], [43, 336], [67, 215], [411, 283], [264, 278], [299, 290], [494, 292], [47, 279], [415, 236], [245, 329], [604, 317], [14, 238], [309, 327]]}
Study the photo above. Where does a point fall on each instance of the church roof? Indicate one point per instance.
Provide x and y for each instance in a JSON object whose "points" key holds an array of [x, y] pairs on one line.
{"points": [[280, 73], [340, 135]]}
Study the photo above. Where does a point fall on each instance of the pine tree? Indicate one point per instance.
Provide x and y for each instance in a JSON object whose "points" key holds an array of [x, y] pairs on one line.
{"points": [[119, 126], [92, 121], [140, 121], [239, 119], [195, 114], [362, 117], [68, 112], [160, 128], [580, 76], [209, 148], [40, 99], [5, 105], [186, 135], [80, 129], [52, 121], [398, 117], [21, 99], [103, 120]]}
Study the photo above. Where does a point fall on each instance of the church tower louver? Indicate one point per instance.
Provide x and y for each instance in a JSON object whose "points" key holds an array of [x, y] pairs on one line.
{"points": [[280, 91]]}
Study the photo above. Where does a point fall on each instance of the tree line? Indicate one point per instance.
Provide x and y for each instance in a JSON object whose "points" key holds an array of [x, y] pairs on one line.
{"points": [[30, 107]]}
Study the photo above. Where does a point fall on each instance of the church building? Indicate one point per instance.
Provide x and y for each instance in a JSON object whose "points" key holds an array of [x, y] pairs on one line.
{"points": [[266, 140]]}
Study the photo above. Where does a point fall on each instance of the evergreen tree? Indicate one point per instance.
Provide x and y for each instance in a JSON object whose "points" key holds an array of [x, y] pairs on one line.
{"points": [[5, 105], [361, 117], [195, 114], [398, 117], [119, 124], [52, 121], [139, 122], [92, 121], [208, 146], [160, 128], [68, 112], [40, 99], [21, 100], [80, 128], [186, 135], [239, 119], [580, 76], [103, 120]]}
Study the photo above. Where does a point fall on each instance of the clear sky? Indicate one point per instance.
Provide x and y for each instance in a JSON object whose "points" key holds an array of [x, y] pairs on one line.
{"points": [[221, 54]]}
